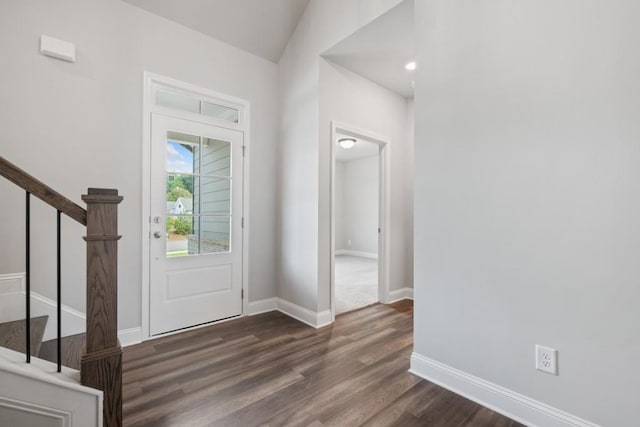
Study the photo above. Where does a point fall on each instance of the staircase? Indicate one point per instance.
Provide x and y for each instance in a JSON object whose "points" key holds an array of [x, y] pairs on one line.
{"points": [[97, 354], [72, 347], [34, 394], [12, 334]]}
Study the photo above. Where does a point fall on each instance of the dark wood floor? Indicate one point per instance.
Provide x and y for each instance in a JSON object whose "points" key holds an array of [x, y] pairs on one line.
{"points": [[72, 346], [272, 370], [12, 334]]}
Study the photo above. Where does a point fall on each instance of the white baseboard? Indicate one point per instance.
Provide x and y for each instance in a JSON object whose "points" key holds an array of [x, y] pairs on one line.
{"points": [[311, 318], [400, 294], [73, 321], [12, 291], [408, 293], [11, 283], [11, 297], [262, 306], [130, 336], [324, 319], [371, 255], [507, 402]]}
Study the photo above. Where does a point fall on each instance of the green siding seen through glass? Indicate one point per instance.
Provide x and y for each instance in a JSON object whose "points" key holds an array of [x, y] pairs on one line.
{"points": [[215, 198], [215, 234]]}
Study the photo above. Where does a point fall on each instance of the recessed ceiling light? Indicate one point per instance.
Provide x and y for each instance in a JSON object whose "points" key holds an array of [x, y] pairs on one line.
{"points": [[410, 66], [347, 143]]}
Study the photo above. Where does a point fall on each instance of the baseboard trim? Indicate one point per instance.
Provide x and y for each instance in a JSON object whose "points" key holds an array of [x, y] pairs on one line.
{"points": [[11, 283], [12, 289], [130, 336], [324, 319], [311, 318], [262, 306], [12, 297], [371, 255], [133, 336], [73, 321], [400, 294], [500, 399]]}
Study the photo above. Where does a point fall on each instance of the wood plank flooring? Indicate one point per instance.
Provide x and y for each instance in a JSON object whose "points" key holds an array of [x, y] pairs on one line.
{"points": [[271, 370], [73, 347]]}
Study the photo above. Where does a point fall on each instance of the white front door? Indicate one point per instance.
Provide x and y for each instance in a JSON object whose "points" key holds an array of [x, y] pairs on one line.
{"points": [[196, 224]]}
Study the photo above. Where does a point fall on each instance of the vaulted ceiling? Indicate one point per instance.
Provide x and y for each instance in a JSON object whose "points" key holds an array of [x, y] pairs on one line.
{"points": [[261, 27], [380, 50]]}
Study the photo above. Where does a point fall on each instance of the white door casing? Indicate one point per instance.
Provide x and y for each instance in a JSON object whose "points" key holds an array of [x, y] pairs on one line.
{"points": [[384, 208], [199, 279]]}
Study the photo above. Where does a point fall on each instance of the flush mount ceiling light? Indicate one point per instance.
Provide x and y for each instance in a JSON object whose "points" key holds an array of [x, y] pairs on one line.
{"points": [[347, 143], [411, 66]]}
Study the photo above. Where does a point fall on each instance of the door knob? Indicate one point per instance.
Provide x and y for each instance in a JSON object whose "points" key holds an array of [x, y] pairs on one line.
{"points": [[157, 234]]}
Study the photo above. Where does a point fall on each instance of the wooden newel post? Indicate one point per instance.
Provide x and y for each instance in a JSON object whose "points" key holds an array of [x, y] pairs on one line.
{"points": [[101, 366]]}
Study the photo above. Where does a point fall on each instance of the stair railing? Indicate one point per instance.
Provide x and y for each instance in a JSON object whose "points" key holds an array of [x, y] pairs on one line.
{"points": [[101, 365]]}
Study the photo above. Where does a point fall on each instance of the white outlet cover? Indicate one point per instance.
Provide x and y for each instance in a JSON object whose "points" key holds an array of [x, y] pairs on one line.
{"points": [[547, 359]]}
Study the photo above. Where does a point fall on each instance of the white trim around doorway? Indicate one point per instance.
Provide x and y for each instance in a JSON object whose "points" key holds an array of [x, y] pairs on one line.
{"points": [[384, 210], [150, 82]]}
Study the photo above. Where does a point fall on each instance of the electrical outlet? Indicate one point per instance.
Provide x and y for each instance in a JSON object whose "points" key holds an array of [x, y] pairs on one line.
{"points": [[348, 242], [547, 359]]}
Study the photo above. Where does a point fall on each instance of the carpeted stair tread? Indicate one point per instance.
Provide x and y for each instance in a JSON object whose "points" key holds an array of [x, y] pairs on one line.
{"points": [[12, 334]]}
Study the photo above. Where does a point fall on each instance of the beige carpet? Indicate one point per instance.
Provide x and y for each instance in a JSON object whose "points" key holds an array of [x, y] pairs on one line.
{"points": [[356, 282]]}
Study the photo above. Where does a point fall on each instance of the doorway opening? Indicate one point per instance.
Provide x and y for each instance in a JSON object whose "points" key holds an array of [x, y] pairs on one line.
{"points": [[357, 220], [194, 235]]}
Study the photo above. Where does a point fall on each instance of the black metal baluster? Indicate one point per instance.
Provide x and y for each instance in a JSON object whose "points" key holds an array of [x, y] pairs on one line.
{"points": [[59, 302], [28, 278]]}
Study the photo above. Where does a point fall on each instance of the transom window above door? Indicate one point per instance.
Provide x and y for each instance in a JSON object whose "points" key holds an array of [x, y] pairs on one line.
{"points": [[191, 104]]}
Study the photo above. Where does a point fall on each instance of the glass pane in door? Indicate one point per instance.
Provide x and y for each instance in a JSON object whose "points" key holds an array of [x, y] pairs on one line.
{"points": [[216, 234], [215, 198], [182, 153], [181, 240], [216, 157], [198, 195]]}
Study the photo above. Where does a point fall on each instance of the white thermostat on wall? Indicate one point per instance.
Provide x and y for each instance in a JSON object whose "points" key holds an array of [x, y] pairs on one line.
{"points": [[57, 48]]}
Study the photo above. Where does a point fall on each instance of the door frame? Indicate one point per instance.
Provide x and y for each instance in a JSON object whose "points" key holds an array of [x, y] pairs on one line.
{"points": [[151, 82], [384, 209]]}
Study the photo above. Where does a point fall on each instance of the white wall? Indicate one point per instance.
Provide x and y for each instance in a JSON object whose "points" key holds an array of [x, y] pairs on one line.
{"points": [[349, 98], [339, 208], [526, 197], [408, 194], [80, 125], [301, 184], [356, 201]]}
